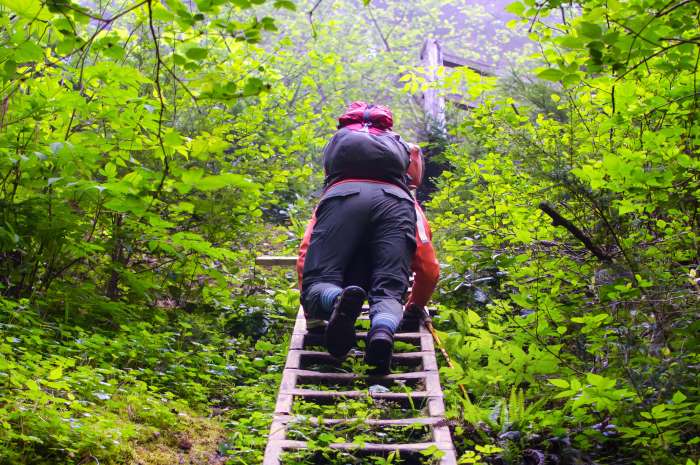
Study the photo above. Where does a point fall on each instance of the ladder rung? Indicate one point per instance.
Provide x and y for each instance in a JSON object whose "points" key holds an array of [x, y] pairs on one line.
{"points": [[319, 375], [400, 396], [272, 260], [326, 357], [370, 447], [432, 421], [397, 336]]}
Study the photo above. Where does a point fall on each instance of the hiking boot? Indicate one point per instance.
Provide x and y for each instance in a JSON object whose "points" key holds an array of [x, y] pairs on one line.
{"points": [[380, 345], [340, 333]]}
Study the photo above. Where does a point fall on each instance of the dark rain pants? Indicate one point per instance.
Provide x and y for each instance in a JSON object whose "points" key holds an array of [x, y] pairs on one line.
{"points": [[365, 236]]}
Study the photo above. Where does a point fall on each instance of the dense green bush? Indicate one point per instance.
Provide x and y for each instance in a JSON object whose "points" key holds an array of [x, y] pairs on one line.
{"points": [[600, 334]]}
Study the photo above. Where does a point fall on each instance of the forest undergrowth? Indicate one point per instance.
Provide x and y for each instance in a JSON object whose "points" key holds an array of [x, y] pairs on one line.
{"points": [[149, 151]]}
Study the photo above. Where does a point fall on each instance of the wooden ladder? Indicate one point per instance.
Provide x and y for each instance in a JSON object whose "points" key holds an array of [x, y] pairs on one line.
{"points": [[296, 374]]}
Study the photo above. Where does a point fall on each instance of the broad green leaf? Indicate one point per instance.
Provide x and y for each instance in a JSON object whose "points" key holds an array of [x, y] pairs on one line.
{"points": [[550, 74], [559, 383], [253, 86], [516, 8], [28, 51], [212, 183], [197, 53], [55, 373], [289, 5], [32, 385], [591, 30], [29, 9]]}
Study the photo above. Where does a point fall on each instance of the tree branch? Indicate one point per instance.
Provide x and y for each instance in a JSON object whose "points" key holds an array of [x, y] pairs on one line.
{"points": [[558, 220]]}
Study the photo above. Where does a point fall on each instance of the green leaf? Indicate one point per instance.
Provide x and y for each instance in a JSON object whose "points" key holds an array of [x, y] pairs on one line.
{"points": [[571, 79], [212, 183], [32, 385], [591, 30], [289, 5], [55, 374], [30, 9], [9, 68], [160, 13], [516, 8], [197, 53], [550, 74], [253, 86], [562, 383], [29, 51]]}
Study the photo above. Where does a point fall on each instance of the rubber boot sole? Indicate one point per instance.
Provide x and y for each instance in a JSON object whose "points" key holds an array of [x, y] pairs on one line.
{"points": [[340, 333]]}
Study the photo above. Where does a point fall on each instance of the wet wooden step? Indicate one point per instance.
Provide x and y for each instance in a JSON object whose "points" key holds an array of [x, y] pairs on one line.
{"points": [[301, 359], [432, 421], [368, 447], [304, 375], [395, 396]]}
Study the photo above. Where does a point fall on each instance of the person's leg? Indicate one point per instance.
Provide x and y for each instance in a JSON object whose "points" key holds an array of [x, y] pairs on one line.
{"points": [[392, 247], [338, 232], [341, 221]]}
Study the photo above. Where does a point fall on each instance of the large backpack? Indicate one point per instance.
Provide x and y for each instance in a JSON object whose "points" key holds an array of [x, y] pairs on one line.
{"points": [[365, 147]]}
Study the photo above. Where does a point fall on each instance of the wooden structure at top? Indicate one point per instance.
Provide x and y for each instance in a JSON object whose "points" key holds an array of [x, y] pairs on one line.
{"points": [[416, 376], [433, 57]]}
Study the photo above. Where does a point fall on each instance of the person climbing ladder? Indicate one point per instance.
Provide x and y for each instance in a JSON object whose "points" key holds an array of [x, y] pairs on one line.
{"points": [[366, 235]]}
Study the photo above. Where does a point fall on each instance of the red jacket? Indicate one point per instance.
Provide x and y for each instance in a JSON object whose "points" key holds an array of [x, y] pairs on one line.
{"points": [[424, 265]]}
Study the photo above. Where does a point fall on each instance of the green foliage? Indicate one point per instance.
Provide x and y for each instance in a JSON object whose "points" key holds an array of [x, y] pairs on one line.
{"points": [[70, 394], [149, 150], [603, 349]]}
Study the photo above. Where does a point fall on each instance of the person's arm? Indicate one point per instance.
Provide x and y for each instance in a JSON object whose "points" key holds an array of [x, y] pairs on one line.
{"points": [[425, 264], [304, 247]]}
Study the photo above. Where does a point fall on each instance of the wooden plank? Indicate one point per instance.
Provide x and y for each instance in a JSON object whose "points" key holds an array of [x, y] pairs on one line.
{"points": [[278, 429], [432, 381], [450, 458], [441, 433], [312, 339], [319, 356], [403, 336], [293, 360], [272, 453], [426, 342], [303, 375], [284, 403], [297, 341], [326, 395], [429, 362], [450, 60], [369, 447], [404, 359], [436, 407], [273, 260], [427, 421]]}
